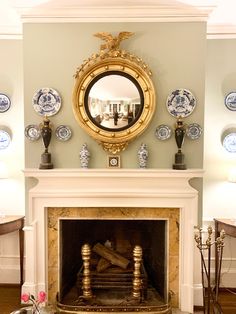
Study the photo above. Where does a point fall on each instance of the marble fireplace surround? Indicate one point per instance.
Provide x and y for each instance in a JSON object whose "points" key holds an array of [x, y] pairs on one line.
{"points": [[149, 188]]}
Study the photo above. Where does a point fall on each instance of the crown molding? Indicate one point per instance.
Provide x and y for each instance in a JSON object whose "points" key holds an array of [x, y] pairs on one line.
{"points": [[65, 13], [10, 32], [221, 31], [68, 13]]}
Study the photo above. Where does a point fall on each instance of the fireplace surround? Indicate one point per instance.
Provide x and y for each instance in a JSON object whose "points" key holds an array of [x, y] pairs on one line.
{"points": [[100, 190]]}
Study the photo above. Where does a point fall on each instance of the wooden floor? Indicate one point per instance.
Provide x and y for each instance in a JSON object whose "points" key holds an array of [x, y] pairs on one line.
{"points": [[10, 300]]}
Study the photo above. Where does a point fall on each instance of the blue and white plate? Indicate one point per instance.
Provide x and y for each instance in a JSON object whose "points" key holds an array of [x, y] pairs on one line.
{"points": [[193, 131], [5, 102], [63, 133], [5, 139], [163, 132], [46, 101], [230, 101], [229, 142], [32, 132], [181, 103]]}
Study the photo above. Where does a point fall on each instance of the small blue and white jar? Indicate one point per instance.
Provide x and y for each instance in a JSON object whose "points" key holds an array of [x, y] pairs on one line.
{"points": [[143, 156], [84, 156]]}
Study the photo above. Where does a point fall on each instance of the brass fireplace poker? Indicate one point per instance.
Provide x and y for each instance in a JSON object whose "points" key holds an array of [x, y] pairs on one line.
{"points": [[210, 292]]}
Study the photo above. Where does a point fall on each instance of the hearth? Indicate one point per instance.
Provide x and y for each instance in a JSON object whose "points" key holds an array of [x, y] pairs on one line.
{"points": [[113, 264], [111, 195]]}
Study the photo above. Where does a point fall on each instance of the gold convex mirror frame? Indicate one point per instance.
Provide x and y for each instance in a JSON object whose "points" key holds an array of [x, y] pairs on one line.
{"points": [[113, 96]]}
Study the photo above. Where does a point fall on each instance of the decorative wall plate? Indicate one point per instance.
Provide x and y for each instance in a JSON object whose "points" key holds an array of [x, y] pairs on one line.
{"points": [[46, 101], [5, 102], [180, 103], [163, 132], [193, 131], [230, 101], [63, 133], [32, 132], [229, 142], [5, 139]]}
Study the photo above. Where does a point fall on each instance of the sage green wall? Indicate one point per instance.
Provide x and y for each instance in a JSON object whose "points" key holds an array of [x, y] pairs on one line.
{"points": [[11, 84], [175, 52], [12, 189], [219, 194]]}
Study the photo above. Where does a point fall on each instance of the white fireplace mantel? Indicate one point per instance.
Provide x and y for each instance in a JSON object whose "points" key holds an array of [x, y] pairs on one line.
{"points": [[110, 188]]}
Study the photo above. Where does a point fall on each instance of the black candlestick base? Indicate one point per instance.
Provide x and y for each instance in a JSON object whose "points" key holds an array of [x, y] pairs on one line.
{"points": [[46, 161], [179, 162]]}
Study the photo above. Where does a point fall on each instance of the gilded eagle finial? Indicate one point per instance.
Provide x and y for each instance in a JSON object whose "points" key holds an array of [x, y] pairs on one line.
{"points": [[112, 42]]}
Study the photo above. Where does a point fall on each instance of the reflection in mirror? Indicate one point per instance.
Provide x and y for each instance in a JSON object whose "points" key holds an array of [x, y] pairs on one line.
{"points": [[114, 101]]}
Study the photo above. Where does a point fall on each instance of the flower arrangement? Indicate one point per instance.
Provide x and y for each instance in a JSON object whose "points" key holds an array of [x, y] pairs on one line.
{"points": [[26, 297]]}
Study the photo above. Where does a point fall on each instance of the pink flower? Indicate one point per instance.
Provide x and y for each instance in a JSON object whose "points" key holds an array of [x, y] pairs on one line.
{"points": [[25, 297], [41, 296]]}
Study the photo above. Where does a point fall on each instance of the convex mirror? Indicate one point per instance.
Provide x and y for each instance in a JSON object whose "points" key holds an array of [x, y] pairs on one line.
{"points": [[113, 97]]}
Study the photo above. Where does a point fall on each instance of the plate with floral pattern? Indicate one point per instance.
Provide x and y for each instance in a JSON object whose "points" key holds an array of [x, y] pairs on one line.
{"points": [[181, 103], [229, 142], [163, 132], [63, 133], [193, 131], [5, 139], [5, 102], [32, 132], [230, 101], [46, 101]]}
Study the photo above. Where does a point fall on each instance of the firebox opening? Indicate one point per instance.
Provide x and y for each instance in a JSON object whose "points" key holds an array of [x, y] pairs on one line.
{"points": [[119, 235]]}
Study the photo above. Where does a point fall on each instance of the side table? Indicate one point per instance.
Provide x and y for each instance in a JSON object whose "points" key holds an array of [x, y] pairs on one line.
{"points": [[13, 223], [229, 226]]}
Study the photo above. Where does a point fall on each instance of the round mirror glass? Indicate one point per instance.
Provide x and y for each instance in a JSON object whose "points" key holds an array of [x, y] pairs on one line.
{"points": [[114, 101]]}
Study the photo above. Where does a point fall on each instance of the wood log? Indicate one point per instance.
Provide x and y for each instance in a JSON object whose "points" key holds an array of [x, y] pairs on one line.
{"points": [[103, 264], [112, 256]]}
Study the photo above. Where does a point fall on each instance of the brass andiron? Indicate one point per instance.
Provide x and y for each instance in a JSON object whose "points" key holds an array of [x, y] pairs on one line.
{"points": [[46, 132], [180, 133], [210, 292], [137, 282], [86, 255]]}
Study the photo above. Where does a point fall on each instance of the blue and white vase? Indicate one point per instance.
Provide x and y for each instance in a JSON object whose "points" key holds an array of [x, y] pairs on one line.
{"points": [[84, 156], [143, 156]]}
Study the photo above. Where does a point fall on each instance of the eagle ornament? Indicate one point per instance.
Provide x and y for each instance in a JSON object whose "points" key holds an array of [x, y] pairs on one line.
{"points": [[112, 42]]}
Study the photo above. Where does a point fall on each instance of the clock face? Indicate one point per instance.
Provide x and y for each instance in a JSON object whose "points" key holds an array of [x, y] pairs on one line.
{"points": [[229, 142], [114, 161]]}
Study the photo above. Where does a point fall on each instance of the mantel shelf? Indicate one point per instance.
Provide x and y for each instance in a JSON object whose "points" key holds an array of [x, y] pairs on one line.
{"points": [[100, 172]]}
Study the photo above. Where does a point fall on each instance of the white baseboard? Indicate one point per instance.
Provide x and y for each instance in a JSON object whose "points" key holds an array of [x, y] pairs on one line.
{"points": [[9, 270], [198, 295], [10, 275], [228, 278]]}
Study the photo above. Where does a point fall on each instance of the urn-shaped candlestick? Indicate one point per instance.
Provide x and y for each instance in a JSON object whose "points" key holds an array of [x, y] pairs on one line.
{"points": [[180, 133], [46, 133]]}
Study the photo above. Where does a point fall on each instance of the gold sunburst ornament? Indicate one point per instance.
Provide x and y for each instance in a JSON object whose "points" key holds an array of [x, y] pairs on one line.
{"points": [[106, 115]]}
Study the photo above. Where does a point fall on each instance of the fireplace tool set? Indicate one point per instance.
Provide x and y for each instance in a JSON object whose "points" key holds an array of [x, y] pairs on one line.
{"points": [[210, 287]]}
